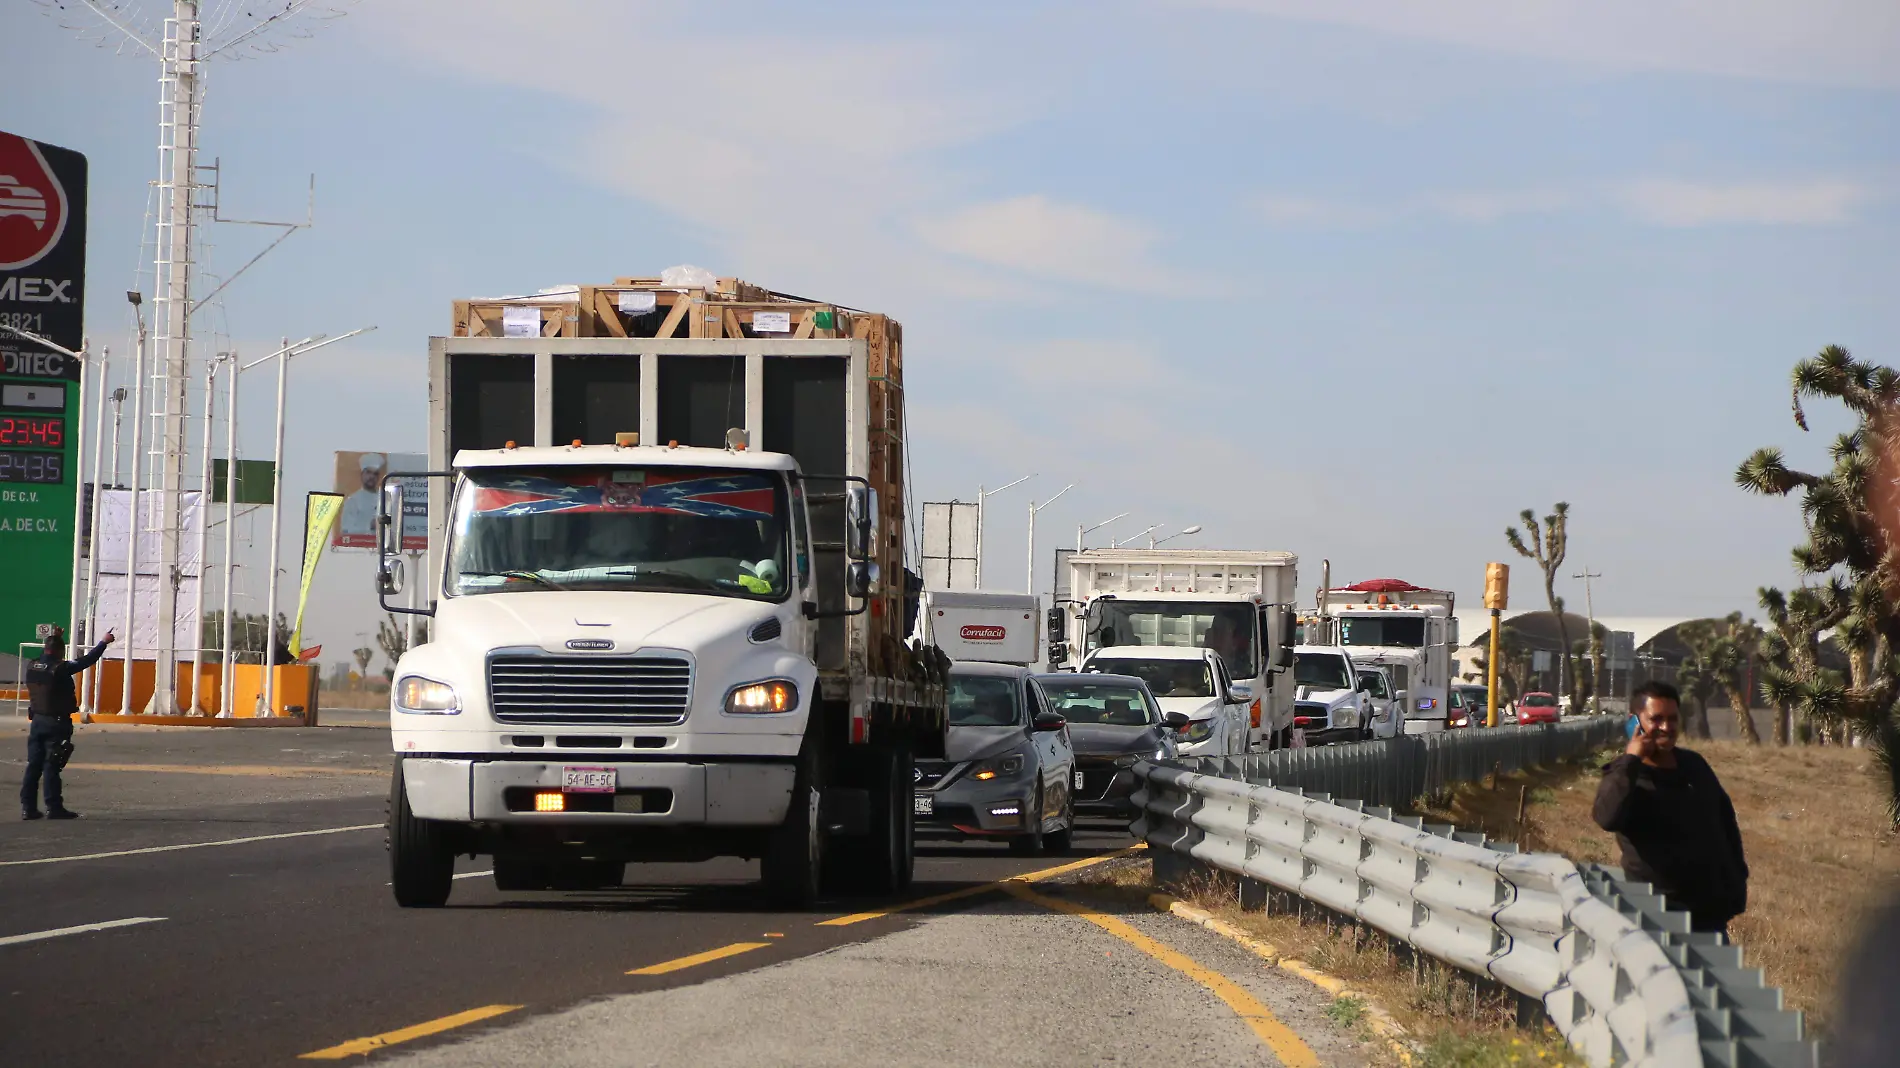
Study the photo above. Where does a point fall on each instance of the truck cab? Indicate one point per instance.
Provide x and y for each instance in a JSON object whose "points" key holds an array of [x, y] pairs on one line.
{"points": [[1409, 630]]}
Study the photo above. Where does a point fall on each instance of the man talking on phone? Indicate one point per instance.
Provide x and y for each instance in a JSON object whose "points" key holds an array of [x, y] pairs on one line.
{"points": [[1672, 818]]}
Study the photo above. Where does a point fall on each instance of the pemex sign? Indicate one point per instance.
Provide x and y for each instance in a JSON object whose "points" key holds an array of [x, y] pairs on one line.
{"points": [[42, 291]]}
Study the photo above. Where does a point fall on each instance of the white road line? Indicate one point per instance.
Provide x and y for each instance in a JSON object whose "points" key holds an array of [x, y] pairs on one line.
{"points": [[81, 929], [471, 875], [190, 845]]}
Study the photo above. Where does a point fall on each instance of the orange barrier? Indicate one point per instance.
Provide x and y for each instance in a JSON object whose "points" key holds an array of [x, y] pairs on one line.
{"points": [[296, 694]]}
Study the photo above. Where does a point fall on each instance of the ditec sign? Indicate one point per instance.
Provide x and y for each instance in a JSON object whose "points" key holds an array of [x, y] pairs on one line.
{"points": [[42, 291]]}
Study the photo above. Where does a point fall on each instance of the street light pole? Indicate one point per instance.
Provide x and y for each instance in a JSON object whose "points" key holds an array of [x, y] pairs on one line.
{"points": [[1182, 533], [1029, 574], [1589, 605], [1081, 530], [982, 493], [1118, 543]]}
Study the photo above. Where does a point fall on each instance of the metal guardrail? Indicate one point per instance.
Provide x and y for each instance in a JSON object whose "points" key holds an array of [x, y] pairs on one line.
{"points": [[1622, 980], [1395, 771]]}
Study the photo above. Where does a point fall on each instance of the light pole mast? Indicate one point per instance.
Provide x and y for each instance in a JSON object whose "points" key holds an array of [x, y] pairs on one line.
{"points": [[181, 91], [1596, 655]]}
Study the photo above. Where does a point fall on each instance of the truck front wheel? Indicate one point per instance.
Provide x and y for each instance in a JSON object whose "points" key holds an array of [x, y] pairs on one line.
{"points": [[421, 852], [794, 859], [882, 861]]}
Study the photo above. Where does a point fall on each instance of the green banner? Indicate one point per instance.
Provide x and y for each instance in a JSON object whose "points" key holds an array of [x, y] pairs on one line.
{"points": [[254, 481]]}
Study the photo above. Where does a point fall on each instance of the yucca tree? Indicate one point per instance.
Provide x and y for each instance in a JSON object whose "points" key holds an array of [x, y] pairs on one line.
{"points": [[1695, 677], [1547, 545], [1792, 675]]}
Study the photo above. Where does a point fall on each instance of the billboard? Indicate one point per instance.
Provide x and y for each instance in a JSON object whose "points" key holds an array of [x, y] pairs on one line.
{"points": [[949, 555], [42, 291], [358, 474]]}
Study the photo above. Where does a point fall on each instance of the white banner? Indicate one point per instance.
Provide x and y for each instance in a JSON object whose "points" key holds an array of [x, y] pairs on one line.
{"points": [[115, 512], [144, 639]]}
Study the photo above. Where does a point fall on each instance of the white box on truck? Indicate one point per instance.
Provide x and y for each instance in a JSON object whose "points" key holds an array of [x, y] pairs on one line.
{"points": [[995, 628]]}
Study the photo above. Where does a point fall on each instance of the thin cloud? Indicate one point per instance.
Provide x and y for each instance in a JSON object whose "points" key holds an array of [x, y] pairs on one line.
{"points": [[1051, 239], [1820, 202], [1826, 42]]}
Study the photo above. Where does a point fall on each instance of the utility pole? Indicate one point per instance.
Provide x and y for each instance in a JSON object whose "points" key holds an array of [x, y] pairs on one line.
{"points": [[1596, 648], [981, 494], [1029, 575], [1080, 530]]}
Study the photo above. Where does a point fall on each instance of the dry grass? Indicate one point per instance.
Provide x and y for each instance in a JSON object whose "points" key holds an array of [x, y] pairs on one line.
{"points": [[1449, 1021], [1820, 849]]}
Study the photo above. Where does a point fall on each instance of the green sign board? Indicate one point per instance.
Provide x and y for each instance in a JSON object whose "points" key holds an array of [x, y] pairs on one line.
{"points": [[254, 481], [42, 284]]}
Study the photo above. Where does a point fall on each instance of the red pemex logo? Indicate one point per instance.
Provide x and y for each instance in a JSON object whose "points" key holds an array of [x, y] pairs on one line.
{"points": [[32, 204], [975, 633]]}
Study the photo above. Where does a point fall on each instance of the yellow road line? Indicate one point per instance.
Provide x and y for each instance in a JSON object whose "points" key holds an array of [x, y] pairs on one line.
{"points": [[972, 891], [255, 770], [360, 1047], [1292, 1051], [707, 957]]}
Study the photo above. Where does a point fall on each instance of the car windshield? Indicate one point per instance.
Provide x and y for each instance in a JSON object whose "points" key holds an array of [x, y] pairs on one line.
{"points": [[1325, 671], [1167, 678], [1540, 700], [1374, 684], [984, 701], [681, 530], [1227, 628], [1388, 630], [1116, 703]]}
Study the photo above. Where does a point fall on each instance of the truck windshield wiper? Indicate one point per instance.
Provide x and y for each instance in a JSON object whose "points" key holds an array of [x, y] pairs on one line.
{"points": [[693, 581], [531, 576]]}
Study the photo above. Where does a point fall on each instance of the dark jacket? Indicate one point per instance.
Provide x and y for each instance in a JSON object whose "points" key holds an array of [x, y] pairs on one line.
{"points": [[49, 684], [1677, 829]]}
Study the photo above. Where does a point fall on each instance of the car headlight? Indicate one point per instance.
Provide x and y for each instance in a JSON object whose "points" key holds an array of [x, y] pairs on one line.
{"points": [[762, 698], [417, 694], [1009, 765], [1198, 730]]}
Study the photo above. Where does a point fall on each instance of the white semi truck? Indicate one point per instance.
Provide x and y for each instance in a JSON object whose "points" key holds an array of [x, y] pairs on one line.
{"points": [[670, 606], [1409, 630], [1239, 603]]}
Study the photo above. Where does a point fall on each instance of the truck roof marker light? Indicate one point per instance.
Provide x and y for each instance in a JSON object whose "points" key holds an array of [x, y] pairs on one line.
{"points": [[507, 444], [672, 444], [737, 438], [575, 444], [626, 439]]}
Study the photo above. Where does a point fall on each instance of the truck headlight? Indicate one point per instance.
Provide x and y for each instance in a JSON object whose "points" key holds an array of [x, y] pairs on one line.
{"points": [[762, 698], [417, 694]]}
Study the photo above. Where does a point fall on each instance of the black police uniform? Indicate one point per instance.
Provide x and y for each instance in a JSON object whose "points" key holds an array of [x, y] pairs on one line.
{"points": [[53, 700]]}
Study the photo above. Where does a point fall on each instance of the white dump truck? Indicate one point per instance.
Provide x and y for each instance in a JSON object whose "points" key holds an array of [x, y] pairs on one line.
{"points": [[1409, 630], [666, 570], [993, 628], [1239, 603]]}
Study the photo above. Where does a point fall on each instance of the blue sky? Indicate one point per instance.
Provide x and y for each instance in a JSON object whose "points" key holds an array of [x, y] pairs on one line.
{"points": [[1354, 279]]}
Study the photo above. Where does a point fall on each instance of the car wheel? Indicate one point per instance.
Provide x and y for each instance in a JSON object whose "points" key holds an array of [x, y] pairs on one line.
{"points": [[1031, 843], [421, 852]]}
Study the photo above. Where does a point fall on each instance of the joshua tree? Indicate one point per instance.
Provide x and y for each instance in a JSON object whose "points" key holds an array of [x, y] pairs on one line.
{"points": [[1791, 652], [1547, 546], [1731, 662], [1694, 678], [362, 656]]}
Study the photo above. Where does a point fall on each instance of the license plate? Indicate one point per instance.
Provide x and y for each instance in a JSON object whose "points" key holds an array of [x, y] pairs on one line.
{"points": [[589, 780], [1078, 780], [923, 805]]}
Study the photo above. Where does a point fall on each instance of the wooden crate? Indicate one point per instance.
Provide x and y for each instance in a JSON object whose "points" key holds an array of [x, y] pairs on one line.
{"points": [[479, 318]]}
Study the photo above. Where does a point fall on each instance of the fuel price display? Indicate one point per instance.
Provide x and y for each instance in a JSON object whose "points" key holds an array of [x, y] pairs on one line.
{"points": [[32, 431]]}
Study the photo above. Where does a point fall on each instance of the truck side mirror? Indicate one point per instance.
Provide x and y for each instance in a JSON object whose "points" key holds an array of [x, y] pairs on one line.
{"points": [[1058, 652], [861, 511], [1289, 629], [860, 578], [389, 574], [1057, 625]]}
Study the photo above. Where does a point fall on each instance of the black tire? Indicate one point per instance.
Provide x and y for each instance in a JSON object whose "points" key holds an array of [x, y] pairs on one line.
{"points": [[421, 852], [1058, 842], [793, 866], [1032, 843], [880, 862]]}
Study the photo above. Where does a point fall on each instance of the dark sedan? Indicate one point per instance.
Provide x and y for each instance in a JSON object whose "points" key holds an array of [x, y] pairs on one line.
{"points": [[1114, 720]]}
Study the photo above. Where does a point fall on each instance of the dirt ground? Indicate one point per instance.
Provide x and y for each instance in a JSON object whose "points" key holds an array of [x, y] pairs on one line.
{"points": [[1819, 845]]}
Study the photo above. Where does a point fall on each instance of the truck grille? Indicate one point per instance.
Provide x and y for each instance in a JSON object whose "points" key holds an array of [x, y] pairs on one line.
{"points": [[640, 690]]}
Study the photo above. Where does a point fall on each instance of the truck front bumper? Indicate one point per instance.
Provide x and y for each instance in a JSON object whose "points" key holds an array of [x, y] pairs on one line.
{"points": [[648, 793]]}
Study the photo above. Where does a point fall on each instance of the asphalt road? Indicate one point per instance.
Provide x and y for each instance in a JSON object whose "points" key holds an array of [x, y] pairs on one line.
{"points": [[283, 940]]}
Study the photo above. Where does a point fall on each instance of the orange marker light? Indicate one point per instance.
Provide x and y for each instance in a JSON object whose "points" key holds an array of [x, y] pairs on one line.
{"points": [[548, 801]]}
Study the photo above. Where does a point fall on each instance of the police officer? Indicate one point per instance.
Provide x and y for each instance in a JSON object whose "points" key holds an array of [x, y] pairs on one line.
{"points": [[53, 700]]}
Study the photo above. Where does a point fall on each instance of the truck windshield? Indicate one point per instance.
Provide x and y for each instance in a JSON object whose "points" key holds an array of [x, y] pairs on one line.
{"points": [[1407, 631], [1225, 627], [1167, 678], [1324, 671], [681, 530]]}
